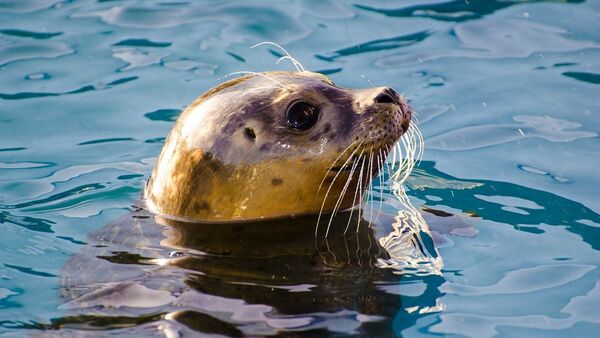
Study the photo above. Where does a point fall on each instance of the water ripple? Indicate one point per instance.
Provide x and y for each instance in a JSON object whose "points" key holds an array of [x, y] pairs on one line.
{"points": [[378, 45], [32, 50], [12, 149], [24, 6], [136, 58], [168, 115], [80, 90], [198, 68], [106, 140], [29, 34], [583, 76], [57, 197], [545, 127], [497, 38], [267, 22], [87, 203], [142, 43], [47, 185], [29, 271], [24, 165], [542, 172], [27, 222], [456, 10], [520, 281]]}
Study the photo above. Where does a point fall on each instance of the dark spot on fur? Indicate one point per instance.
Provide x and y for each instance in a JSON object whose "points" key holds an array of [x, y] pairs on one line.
{"points": [[276, 181], [201, 205], [209, 161], [250, 133], [327, 128]]}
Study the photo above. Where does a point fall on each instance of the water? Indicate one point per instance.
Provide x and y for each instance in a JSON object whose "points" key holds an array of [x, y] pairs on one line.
{"points": [[507, 93]]}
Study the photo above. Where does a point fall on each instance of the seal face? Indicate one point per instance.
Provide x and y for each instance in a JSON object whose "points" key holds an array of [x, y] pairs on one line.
{"points": [[275, 144]]}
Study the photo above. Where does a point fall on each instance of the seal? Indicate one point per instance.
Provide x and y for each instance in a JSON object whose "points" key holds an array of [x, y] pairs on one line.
{"points": [[260, 149], [275, 144]]}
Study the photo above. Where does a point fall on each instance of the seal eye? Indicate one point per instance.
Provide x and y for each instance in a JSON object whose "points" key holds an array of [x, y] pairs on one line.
{"points": [[302, 116]]}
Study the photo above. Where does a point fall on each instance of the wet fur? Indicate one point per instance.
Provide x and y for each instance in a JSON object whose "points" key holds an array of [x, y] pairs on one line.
{"points": [[229, 146]]}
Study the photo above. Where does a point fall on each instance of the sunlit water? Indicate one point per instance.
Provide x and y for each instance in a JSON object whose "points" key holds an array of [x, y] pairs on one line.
{"points": [[507, 94]]}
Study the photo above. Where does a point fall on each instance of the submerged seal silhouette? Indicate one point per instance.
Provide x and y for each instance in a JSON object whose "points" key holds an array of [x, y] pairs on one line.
{"points": [[275, 144]]}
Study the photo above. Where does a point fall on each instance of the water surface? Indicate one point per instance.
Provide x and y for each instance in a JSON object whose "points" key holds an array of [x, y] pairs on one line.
{"points": [[507, 96]]}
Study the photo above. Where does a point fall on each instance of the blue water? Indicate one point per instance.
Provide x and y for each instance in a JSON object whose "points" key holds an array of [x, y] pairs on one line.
{"points": [[507, 94]]}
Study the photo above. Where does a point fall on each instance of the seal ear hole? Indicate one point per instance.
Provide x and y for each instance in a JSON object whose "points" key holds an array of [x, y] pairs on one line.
{"points": [[250, 133]]}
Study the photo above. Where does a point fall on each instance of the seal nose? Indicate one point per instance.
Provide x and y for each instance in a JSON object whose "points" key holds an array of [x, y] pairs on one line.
{"points": [[388, 95]]}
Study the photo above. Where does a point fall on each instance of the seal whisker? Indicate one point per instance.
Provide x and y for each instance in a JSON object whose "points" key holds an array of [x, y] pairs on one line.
{"points": [[394, 151], [393, 156], [370, 187], [355, 193], [338, 202], [287, 57], [348, 260], [329, 249], [400, 159], [407, 165], [389, 171], [247, 72], [388, 165], [296, 63], [358, 250], [407, 149], [369, 250], [341, 197], [419, 138], [382, 176], [335, 161], [412, 149], [360, 185], [329, 189], [416, 136]]}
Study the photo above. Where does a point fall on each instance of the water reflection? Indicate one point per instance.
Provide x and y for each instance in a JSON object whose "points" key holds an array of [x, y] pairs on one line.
{"points": [[253, 278], [457, 10]]}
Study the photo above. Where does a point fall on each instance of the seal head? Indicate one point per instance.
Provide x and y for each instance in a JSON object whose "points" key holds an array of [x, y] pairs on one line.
{"points": [[275, 144]]}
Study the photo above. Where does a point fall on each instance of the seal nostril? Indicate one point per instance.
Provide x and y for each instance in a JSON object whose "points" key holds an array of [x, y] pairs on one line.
{"points": [[384, 98], [388, 95]]}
